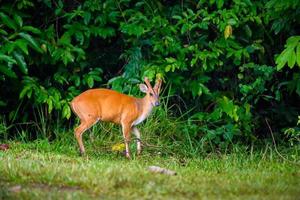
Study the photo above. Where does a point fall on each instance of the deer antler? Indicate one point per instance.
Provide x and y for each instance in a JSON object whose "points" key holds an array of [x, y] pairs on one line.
{"points": [[148, 84], [157, 86]]}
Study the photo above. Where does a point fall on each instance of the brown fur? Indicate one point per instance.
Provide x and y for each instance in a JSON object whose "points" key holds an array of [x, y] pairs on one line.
{"points": [[111, 106]]}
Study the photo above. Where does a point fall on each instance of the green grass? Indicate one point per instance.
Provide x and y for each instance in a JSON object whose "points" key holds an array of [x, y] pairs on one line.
{"points": [[39, 170]]}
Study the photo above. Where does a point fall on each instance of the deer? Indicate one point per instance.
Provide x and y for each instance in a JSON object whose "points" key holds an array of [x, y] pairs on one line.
{"points": [[107, 105]]}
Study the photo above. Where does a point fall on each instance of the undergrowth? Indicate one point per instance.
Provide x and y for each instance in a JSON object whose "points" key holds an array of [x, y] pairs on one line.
{"points": [[45, 163], [162, 133], [54, 170]]}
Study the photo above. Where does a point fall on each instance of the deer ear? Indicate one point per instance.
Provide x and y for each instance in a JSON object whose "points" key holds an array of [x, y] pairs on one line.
{"points": [[143, 88]]}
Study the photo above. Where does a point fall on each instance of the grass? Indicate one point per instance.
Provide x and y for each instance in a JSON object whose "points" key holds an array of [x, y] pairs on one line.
{"points": [[54, 170], [40, 169]]}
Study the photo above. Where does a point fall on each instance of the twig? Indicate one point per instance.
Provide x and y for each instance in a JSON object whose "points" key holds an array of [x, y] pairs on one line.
{"points": [[275, 146], [122, 13], [209, 106], [149, 145]]}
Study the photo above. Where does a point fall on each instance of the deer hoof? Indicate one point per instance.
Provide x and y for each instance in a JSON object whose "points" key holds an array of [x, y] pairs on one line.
{"points": [[81, 153], [127, 155]]}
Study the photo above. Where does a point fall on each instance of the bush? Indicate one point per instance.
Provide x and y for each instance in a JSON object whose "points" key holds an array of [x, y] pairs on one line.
{"points": [[225, 60]]}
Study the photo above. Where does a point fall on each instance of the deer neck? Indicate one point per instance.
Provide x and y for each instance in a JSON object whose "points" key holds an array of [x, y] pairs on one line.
{"points": [[144, 107]]}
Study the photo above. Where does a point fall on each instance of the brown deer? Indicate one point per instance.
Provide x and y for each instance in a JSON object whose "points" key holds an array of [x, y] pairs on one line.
{"points": [[107, 105]]}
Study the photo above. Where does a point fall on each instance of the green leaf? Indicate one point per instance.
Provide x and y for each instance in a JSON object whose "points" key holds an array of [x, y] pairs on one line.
{"points": [[18, 19], [67, 57], [298, 54], [79, 37], [22, 44], [50, 105], [283, 58], [103, 32], [31, 41], [229, 108], [277, 26], [77, 81], [3, 32], [86, 17], [65, 39], [168, 68], [132, 29], [232, 22], [177, 17], [48, 3], [31, 29], [7, 21], [170, 60], [219, 3], [58, 11], [96, 78], [292, 41], [8, 47], [240, 76], [7, 71], [194, 61], [66, 112], [248, 31], [26, 90], [90, 81], [288, 55], [292, 59], [184, 28], [21, 62], [7, 59]]}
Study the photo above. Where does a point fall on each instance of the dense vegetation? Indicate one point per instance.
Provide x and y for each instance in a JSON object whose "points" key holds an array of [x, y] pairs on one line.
{"points": [[228, 124], [230, 68]]}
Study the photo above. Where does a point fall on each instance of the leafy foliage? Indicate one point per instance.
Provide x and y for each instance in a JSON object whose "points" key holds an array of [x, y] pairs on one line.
{"points": [[226, 60], [291, 54]]}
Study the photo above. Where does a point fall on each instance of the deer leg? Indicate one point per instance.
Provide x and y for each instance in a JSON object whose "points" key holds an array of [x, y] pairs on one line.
{"points": [[126, 135], [137, 133], [79, 132]]}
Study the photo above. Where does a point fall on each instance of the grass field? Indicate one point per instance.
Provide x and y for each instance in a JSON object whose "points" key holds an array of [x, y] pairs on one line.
{"points": [[39, 170]]}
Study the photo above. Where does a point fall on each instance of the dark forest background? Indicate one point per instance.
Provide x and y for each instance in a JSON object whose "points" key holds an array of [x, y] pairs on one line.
{"points": [[230, 69]]}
